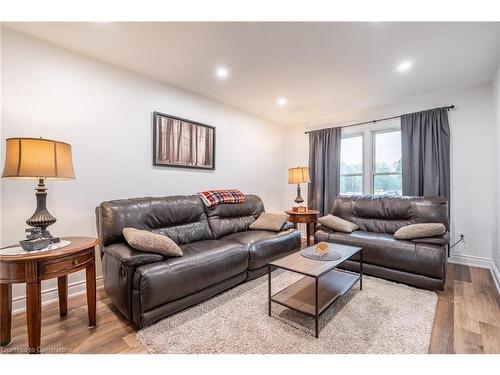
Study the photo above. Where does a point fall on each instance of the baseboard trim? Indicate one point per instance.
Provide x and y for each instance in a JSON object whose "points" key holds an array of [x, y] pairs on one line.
{"points": [[470, 260], [51, 295], [496, 275], [474, 261]]}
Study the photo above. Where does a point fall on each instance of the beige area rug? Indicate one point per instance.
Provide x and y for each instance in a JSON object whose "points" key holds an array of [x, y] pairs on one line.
{"points": [[384, 317]]}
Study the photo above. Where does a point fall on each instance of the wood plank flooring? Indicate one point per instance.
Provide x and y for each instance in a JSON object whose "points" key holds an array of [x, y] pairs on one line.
{"points": [[467, 321], [468, 313]]}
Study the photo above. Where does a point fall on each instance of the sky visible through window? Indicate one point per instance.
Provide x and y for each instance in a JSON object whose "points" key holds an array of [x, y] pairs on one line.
{"points": [[388, 151], [351, 155]]}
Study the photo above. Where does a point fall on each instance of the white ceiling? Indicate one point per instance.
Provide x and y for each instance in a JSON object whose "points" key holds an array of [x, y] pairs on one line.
{"points": [[323, 69]]}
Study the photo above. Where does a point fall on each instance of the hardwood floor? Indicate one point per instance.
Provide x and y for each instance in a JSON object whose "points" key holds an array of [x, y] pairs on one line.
{"points": [[467, 321], [71, 334], [468, 313]]}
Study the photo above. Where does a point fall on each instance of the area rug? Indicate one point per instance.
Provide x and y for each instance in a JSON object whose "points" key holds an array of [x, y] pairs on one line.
{"points": [[384, 317]]}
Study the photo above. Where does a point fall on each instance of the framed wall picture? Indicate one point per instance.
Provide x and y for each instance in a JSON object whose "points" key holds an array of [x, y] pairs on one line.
{"points": [[182, 143]]}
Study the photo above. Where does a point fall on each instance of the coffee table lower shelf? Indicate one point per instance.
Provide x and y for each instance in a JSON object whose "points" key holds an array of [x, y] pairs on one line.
{"points": [[312, 296]]}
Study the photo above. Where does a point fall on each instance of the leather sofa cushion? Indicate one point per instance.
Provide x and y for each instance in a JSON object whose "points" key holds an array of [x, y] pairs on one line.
{"points": [[437, 240], [147, 241], [384, 250], [423, 230], [203, 264], [420, 281], [386, 214], [265, 246], [181, 217], [269, 221], [225, 219]]}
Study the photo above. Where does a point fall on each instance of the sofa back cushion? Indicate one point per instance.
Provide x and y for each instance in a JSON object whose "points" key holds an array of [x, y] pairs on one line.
{"points": [[230, 218], [386, 214], [182, 218]]}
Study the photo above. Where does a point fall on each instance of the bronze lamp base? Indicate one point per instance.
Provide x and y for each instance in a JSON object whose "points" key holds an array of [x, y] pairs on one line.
{"points": [[42, 217]]}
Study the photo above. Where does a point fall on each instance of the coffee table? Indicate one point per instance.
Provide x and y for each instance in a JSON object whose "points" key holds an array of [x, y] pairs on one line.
{"points": [[323, 283]]}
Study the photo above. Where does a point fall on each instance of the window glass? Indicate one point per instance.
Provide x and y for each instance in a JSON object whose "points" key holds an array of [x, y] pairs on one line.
{"points": [[387, 163], [351, 185], [387, 184], [351, 155], [351, 165], [388, 152]]}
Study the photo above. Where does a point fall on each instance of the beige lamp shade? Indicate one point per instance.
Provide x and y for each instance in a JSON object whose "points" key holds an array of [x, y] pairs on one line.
{"points": [[37, 158], [298, 175]]}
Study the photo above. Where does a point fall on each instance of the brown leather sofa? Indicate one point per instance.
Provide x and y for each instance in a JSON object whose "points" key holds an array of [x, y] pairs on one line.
{"points": [[219, 252], [420, 263]]}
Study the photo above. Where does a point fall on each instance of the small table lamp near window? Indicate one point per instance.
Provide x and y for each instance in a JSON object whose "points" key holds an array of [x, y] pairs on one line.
{"points": [[298, 175], [38, 158]]}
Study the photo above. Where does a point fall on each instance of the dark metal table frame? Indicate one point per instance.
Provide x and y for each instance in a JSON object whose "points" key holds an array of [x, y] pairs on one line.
{"points": [[317, 314]]}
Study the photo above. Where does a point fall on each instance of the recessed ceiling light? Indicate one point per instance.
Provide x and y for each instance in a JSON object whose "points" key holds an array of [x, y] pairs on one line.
{"points": [[222, 72], [281, 101], [404, 66]]}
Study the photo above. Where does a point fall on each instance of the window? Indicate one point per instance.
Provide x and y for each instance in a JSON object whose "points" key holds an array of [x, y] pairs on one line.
{"points": [[387, 163], [370, 160], [351, 165]]}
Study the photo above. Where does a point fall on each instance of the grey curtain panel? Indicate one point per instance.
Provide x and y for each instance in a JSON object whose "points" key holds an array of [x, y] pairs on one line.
{"points": [[425, 140], [324, 169]]}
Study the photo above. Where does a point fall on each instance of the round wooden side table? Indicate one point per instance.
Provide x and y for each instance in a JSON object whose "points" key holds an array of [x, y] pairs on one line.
{"points": [[307, 217], [33, 267]]}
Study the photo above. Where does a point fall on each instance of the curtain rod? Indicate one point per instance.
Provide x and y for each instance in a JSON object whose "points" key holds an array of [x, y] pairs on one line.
{"points": [[374, 121]]}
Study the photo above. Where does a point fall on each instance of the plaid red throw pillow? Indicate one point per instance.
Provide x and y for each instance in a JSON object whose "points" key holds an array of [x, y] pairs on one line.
{"points": [[215, 197]]}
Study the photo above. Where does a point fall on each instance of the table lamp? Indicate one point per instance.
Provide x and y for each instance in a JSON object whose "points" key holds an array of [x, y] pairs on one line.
{"points": [[298, 176], [41, 159]]}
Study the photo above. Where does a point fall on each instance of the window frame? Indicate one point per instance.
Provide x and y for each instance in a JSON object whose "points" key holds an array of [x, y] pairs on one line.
{"points": [[363, 161], [374, 173], [367, 132]]}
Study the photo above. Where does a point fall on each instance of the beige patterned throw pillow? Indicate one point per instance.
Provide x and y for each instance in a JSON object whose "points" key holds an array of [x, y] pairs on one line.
{"points": [[337, 223], [268, 221], [144, 240], [424, 230]]}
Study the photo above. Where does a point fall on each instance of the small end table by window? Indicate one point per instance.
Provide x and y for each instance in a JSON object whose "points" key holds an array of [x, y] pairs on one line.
{"points": [[33, 267], [307, 217]]}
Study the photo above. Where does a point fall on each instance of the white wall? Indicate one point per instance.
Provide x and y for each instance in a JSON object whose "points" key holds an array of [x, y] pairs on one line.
{"points": [[104, 112], [473, 144], [496, 101]]}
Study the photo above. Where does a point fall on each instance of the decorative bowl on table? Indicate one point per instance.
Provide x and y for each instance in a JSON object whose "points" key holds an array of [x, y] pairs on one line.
{"points": [[322, 248], [35, 244]]}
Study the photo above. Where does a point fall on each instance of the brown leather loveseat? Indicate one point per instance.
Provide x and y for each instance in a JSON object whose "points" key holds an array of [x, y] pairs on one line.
{"points": [[219, 252], [419, 262]]}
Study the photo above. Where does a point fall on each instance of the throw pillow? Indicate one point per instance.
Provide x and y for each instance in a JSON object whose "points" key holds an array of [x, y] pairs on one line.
{"points": [[144, 240], [337, 223], [424, 230], [268, 221]]}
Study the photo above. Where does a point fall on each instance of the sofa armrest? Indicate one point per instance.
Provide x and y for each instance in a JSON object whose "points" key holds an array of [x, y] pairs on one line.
{"points": [[119, 262], [286, 226], [324, 228], [436, 240], [129, 257]]}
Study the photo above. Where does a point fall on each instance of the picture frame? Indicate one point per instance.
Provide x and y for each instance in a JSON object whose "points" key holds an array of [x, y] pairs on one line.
{"points": [[182, 143]]}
